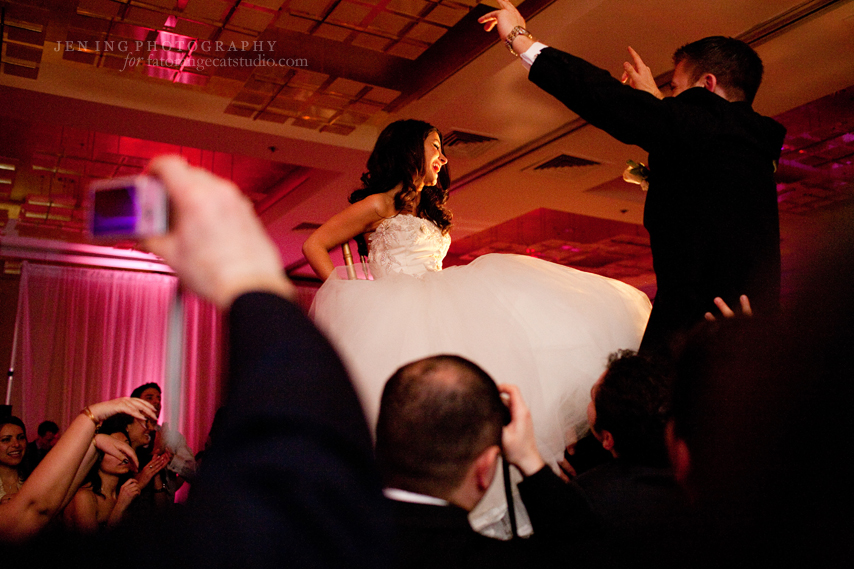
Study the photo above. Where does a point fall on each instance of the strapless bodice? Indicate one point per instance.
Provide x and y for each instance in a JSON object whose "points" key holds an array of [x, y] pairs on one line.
{"points": [[406, 244]]}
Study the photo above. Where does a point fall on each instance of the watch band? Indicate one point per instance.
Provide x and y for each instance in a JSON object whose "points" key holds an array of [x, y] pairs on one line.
{"points": [[514, 33]]}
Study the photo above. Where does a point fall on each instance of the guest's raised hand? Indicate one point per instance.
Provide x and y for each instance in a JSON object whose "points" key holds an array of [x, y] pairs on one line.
{"points": [[728, 312], [638, 75], [153, 468], [132, 406], [503, 20], [119, 449], [217, 245], [517, 438], [127, 494]]}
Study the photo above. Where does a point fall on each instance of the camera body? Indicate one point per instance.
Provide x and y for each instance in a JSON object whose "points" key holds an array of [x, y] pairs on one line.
{"points": [[133, 207]]}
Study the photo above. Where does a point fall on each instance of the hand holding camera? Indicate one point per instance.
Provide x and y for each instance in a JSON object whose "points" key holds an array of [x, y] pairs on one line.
{"points": [[133, 207], [214, 241]]}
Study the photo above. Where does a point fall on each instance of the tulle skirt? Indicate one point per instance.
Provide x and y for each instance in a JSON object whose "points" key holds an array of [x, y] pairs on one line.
{"points": [[547, 328]]}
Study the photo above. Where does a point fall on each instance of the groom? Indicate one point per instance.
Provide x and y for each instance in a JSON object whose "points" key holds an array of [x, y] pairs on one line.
{"points": [[711, 209]]}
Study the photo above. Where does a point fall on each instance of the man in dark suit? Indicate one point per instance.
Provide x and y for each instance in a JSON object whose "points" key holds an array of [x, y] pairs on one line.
{"points": [[37, 449], [635, 493], [439, 437], [711, 209]]}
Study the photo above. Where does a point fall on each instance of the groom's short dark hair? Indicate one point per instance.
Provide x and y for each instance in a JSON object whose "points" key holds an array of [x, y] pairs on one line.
{"points": [[736, 66]]}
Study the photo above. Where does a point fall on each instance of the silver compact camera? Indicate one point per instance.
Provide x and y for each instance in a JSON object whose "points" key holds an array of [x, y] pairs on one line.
{"points": [[134, 207]]}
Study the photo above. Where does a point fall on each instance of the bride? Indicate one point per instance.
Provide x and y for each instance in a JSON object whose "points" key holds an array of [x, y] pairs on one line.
{"points": [[544, 327]]}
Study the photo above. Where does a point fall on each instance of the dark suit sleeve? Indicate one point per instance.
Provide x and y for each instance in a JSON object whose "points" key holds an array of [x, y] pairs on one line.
{"points": [[566, 530], [290, 481], [629, 115], [556, 507]]}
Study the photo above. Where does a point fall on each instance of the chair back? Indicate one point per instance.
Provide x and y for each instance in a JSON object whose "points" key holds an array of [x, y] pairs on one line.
{"points": [[348, 261]]}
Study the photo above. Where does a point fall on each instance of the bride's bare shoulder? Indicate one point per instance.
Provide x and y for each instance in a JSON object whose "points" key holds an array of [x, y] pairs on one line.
{"points": [[382, 204]]}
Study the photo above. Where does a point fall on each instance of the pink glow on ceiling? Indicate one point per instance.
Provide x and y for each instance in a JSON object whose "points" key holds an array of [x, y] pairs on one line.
{"points": [[174, 41], [160, 72], [167, 58], [192, 79], [145, 148], [130, 31]]}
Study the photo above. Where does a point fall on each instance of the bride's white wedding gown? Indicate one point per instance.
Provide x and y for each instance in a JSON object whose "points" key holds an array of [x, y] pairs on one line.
{"points": [[547, 328]]}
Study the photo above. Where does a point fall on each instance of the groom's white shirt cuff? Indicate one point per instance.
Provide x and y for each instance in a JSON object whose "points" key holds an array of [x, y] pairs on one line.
{"points": [[531, 54]]}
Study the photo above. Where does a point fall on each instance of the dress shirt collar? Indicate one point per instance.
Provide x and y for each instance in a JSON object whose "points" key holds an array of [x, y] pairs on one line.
{"points": [[412, 497]]}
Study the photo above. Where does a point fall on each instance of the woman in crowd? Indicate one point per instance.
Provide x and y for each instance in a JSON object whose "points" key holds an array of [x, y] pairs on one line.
{"points": [[108, 491], [545, 327], [140, 433], [56, 479], [13, 445]]}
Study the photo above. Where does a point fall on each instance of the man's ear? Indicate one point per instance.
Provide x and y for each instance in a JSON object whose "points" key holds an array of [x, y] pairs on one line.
{"points": [[607, 440], [680, 456], [709, 82], [485, 466]]}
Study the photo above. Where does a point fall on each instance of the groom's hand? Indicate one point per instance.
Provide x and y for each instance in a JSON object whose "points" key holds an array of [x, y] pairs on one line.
{"points": [[638, 75], [504, 20]]}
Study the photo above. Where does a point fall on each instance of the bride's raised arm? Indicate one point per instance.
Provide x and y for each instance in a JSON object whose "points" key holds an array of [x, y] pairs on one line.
{"points": [[358, 218]]}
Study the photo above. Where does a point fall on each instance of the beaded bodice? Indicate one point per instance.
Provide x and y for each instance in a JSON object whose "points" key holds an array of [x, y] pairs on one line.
{"points": [[406, 244]]}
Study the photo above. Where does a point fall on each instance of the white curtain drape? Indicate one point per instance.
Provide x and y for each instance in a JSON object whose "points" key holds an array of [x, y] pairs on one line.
{"points": [[88, 335]]}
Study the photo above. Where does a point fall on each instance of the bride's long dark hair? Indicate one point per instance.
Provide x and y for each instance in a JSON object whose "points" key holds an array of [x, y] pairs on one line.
{"points": [[398, 158]]}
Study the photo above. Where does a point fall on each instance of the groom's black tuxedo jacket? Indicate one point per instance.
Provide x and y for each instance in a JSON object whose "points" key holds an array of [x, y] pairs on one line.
{"points": [[711, 209]]}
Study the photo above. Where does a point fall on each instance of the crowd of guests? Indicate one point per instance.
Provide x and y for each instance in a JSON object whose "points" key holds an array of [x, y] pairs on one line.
{"points": [[734, 453], [133, 472]]}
